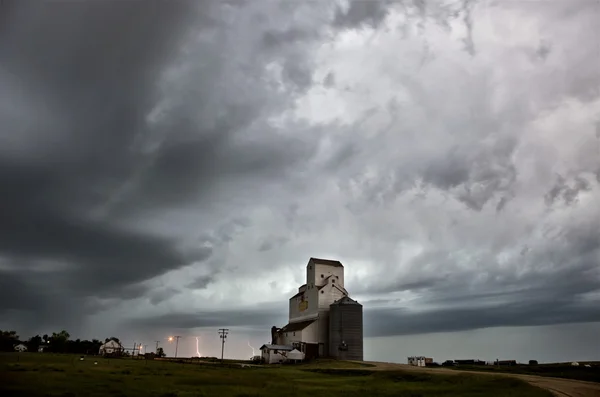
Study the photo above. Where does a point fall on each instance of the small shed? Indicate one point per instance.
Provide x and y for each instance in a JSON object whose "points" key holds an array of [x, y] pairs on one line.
{"points": [[111, 348], [417, 361], [273, 354], [20, 348], [295, 355]]}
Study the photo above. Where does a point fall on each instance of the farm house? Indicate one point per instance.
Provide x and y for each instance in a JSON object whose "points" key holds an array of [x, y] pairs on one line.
{"points": [[273, 354], [111, 348], [20, 348]]}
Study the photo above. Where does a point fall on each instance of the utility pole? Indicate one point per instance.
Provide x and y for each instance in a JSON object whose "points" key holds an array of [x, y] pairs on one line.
{"points": [[223, 335], [176, 342]]}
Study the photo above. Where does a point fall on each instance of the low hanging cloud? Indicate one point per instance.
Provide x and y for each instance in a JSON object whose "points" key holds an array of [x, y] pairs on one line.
{"points": [[183, 162]]}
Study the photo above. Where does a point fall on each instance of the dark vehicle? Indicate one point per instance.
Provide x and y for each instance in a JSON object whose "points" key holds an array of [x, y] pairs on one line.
{"points": [[449, 363]]}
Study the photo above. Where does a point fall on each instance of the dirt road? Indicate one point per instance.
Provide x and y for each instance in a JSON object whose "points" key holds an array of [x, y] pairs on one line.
{"points": [[559, 387]]}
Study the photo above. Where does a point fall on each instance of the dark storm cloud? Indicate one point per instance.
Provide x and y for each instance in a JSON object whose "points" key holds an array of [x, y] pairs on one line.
{"points": [[275, 39], [388, 322], [450, 171], [97, 134], [33, 298], [131, 128], [410, 283], [161, 295], [554, 289], [362, 12], [89, 68], [252, 318], [569, 194], [201, 282]]}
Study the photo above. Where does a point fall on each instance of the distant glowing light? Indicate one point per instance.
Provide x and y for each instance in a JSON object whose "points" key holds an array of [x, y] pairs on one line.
{"points": [[170, 339]]}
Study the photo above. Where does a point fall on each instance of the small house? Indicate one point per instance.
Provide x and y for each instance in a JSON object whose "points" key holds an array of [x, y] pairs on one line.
{"points": [[417, 361], [274, 354], [294, 356], [111, 348], [20, 348]]}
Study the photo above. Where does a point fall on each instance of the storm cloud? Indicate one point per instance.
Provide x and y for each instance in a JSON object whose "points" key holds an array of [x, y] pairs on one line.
{"points": [[173, 165]]}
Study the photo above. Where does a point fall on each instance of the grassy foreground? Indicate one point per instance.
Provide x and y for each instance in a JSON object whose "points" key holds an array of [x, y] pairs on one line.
{"points": [[564, 370], [31, 374]]}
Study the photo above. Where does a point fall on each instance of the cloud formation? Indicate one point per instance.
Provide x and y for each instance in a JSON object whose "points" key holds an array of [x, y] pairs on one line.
{"points": [[182, 162]]}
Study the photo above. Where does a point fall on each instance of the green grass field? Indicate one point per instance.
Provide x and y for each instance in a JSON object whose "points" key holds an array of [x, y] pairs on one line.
{"points": [[565, 370], [32, 374]]}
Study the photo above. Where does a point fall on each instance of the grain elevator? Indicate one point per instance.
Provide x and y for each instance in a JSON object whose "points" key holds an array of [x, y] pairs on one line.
{"points": [[323, 320]]}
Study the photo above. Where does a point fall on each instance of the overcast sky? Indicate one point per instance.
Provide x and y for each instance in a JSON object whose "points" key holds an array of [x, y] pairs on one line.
{"points": [[169, 167]]}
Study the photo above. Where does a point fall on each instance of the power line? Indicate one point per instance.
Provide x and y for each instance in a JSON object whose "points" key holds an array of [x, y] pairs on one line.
{"points": [[223, 335]]}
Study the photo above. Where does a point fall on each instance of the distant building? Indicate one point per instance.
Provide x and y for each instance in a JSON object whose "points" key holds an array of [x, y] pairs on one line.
{"points": [[111, 348], [323, 320], [506, 362], [470, 362], [418, 361], [273, 354], [20, 348]]}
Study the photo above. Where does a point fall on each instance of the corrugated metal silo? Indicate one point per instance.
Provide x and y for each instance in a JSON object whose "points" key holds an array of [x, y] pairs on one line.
{"points": [[346, 329]]}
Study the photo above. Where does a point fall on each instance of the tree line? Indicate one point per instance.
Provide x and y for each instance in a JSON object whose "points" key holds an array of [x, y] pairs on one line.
{"points": [[58, 342]]}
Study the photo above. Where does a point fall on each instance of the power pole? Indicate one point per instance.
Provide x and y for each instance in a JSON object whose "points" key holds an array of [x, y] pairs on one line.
{"points": [[176, 343], [223, 335]]}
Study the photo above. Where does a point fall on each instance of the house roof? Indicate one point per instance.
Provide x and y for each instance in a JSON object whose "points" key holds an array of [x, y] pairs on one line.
{"points": [[300, 325], [329, 262], [277, 347], [346, 300], [295, 355], [111, 344]]}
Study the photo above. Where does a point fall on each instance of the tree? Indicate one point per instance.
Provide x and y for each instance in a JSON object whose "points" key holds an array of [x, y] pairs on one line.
{"points": [[34, 343], [58, 341], [533, 362], [61, 336], [8, 340], [113, 338], [160, 352]]}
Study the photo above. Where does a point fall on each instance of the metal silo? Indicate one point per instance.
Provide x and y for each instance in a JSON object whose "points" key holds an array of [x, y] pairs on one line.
{"points": [[346, 329]]}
